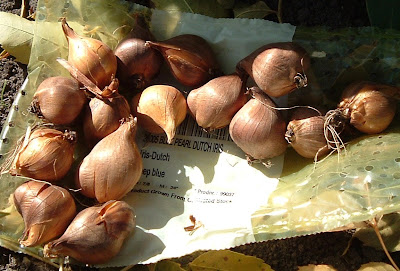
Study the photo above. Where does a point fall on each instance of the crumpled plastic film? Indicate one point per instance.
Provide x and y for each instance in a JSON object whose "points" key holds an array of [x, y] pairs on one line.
{"points": [[206, 175], [190, 177], [48, 44], [106, 17], [362, 181]]}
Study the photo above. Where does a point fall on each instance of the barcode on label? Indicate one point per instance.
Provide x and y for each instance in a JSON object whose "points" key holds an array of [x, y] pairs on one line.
{"points": [[189, 127]]}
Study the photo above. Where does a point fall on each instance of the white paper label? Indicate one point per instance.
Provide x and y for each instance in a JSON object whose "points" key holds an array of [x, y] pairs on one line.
{"points": [[200, 188]]}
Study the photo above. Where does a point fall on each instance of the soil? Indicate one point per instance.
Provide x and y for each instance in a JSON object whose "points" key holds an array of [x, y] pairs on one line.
{"points": [[324, 248]]}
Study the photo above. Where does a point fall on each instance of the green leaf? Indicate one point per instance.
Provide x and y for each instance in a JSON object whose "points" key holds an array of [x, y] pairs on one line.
{"points": [[376, 266], [206, 7], [256, 11], [389, 229], [224, 260], [16, 34]]}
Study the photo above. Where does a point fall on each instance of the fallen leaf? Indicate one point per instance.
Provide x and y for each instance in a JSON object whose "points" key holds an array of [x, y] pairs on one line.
{"points": [[2, 214], [10, 220], [16, 34], [256, 11], [227, 4], [388, 227], [376, 266], [206, 7], [167, 265], [313, 267], [224, 260]]}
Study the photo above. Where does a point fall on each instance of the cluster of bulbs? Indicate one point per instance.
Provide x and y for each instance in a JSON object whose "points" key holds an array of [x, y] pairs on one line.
{"points": [[114, 165]]}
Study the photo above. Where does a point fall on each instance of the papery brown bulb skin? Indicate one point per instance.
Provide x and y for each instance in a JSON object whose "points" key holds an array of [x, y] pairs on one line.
{"points": [[214, 104], [96, 234], [277, 68], [103, 116], [113, 167], [307, 136], [159, 109], [190, 58], [369, 106], [259, 129], [59, 100], [138, 63], [47, 155], [90, 56], [46, 210]]}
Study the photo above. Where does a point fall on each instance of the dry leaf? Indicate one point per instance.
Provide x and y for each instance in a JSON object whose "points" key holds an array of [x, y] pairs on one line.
{"points": [[256, 11], [388, 227], [226, 260], [227, 4], [3, 213], [11, 222], [376, 266], [313, 267], [167, 265], [206, 7], [16, 34]]}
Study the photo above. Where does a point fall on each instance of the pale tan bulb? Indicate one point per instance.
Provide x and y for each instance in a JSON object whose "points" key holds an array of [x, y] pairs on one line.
{"points": [[258, 128], [159, 109], [46, 209], [59, 100], [90, 56], [46, 155], [276, 68], [214, 104], [113, 167], [190, 58], [96, 235], [307, 136], [370, 107]]}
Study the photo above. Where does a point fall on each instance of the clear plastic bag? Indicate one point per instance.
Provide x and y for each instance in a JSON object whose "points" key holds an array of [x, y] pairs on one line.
{"points": [[206, 176]]}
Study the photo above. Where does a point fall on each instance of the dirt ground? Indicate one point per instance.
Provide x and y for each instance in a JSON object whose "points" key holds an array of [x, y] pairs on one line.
{"points": [[286, 255]]}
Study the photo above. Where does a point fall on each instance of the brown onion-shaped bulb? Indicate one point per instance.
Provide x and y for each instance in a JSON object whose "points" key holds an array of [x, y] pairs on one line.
{"points": [[96, 234], [46, 210], [307, 136], [103, 115], [370, 107], [277, 68], [259, 129], [138, 63], [190, 58], [214, 104], [47, 155], [59, 100], [113, 167], [91, 57], [159, 109]]}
